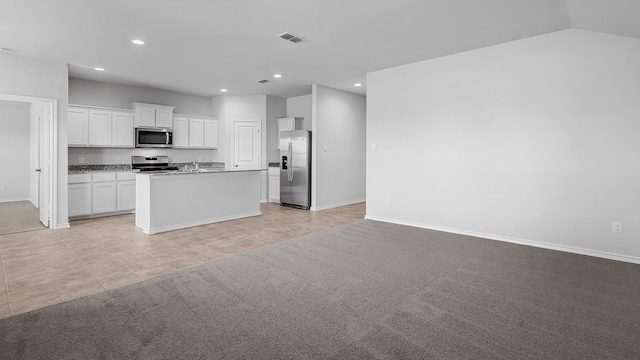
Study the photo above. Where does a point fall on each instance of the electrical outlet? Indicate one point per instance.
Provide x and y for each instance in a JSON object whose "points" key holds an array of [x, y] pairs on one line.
{"points": [[387, 201], [617, 227], [374, 147], [3, 187], [117, 159], [81, 160]]}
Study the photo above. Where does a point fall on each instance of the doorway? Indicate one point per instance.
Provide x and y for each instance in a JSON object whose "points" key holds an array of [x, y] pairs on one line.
{"points": [[27, 187]]}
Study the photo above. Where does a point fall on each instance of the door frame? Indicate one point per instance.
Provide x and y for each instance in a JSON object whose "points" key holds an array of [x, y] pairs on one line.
{"points": [[53, 150]]}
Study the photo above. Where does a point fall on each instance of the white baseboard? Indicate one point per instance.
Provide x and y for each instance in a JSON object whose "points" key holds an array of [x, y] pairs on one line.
{"points": [[538, 244], [331, 206], [62, 226], [200, 222], [14, 200]]}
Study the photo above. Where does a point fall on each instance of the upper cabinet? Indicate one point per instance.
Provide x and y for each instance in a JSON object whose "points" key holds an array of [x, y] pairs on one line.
{"points": [[180, 132], [151, 115], [100, 127], [287, 124], [210, 134], [195, 132], [78, 127], [122, 129]]}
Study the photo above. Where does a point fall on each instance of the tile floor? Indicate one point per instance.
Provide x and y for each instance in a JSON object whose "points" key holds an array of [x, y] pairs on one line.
{"points": [[45, 267]]}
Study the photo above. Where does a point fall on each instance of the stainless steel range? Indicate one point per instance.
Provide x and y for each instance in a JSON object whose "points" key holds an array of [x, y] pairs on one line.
{"points": [[158, 163]]}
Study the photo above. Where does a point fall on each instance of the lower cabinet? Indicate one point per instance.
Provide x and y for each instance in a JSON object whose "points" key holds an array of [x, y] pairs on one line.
{"points": [[79, 199], [126, 195], [104, 197], [103, 193], [274, 184]]}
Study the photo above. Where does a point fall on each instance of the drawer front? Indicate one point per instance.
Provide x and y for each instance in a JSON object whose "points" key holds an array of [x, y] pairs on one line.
{"points": [[107, 176], [79, 178], [126, 176]]}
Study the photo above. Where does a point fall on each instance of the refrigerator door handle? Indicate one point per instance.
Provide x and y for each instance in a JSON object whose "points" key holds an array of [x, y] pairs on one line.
{"points": [[290, 168]]}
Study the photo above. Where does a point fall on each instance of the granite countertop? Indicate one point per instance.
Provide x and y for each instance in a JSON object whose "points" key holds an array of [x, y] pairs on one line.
{"points": [[200, 171], [80, 169]]}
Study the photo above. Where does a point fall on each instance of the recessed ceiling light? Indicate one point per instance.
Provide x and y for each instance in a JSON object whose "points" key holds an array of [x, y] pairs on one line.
{"points": [[357, 84], [137, 42], [224, 90], [278, 76], [98, 69]]}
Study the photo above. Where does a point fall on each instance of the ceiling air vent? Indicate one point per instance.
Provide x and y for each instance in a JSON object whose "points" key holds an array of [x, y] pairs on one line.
{"points": [[291, 37], [262, 81]]}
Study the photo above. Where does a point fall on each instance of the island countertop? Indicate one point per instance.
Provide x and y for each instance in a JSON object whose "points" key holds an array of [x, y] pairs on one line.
{"points": [[197, 172]]}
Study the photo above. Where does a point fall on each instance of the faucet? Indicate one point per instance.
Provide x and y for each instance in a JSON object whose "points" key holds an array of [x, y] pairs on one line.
{"points": [[196, 163]]}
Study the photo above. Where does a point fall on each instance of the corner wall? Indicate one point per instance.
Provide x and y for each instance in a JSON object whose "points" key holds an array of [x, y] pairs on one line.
{"points": [[33, 77], [338, 148], [533, 141]]}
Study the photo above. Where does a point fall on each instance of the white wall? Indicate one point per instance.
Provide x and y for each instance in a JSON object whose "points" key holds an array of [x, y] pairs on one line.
{"points": [[27, 76], [276, 108], [14, 147], [231, 107], [96, 93], [532, 141], [263, 108], [301, 106], [338, 148]]}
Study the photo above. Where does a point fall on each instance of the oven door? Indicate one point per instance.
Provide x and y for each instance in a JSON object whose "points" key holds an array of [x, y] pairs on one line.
{"points": [[154, 138]]}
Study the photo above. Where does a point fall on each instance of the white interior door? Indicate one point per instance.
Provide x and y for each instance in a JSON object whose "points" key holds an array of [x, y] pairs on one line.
{"points": [[44, 160], [247, 145]]}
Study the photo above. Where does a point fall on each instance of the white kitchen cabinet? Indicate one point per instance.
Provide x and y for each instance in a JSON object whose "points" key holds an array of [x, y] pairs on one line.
{"points": [[164, 117], [126, 191], [152, 115], [196, 133], [103, 193], [99, 128], [126, 195], [287, 124], [210, 134], [78, 127], [180, 132], [274, 184], [79, 194], [122, 129]]}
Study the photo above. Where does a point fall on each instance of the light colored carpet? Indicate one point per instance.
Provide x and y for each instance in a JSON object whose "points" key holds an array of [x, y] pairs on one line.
{"points": [[19, 216], [368, 290]]}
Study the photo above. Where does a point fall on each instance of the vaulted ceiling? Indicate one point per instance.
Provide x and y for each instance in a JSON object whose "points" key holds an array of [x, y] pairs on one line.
{"points": [[201, 46]]}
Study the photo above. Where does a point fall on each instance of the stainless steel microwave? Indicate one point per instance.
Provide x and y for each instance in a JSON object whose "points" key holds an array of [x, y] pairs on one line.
{"points": [[154, 138]]}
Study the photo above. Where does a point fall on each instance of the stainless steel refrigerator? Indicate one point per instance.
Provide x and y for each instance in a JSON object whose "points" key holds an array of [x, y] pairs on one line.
{"points": [[295, 169]]}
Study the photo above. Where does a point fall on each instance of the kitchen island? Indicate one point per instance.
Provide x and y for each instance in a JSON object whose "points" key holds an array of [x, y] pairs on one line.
{"points": [[177, 200]]}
